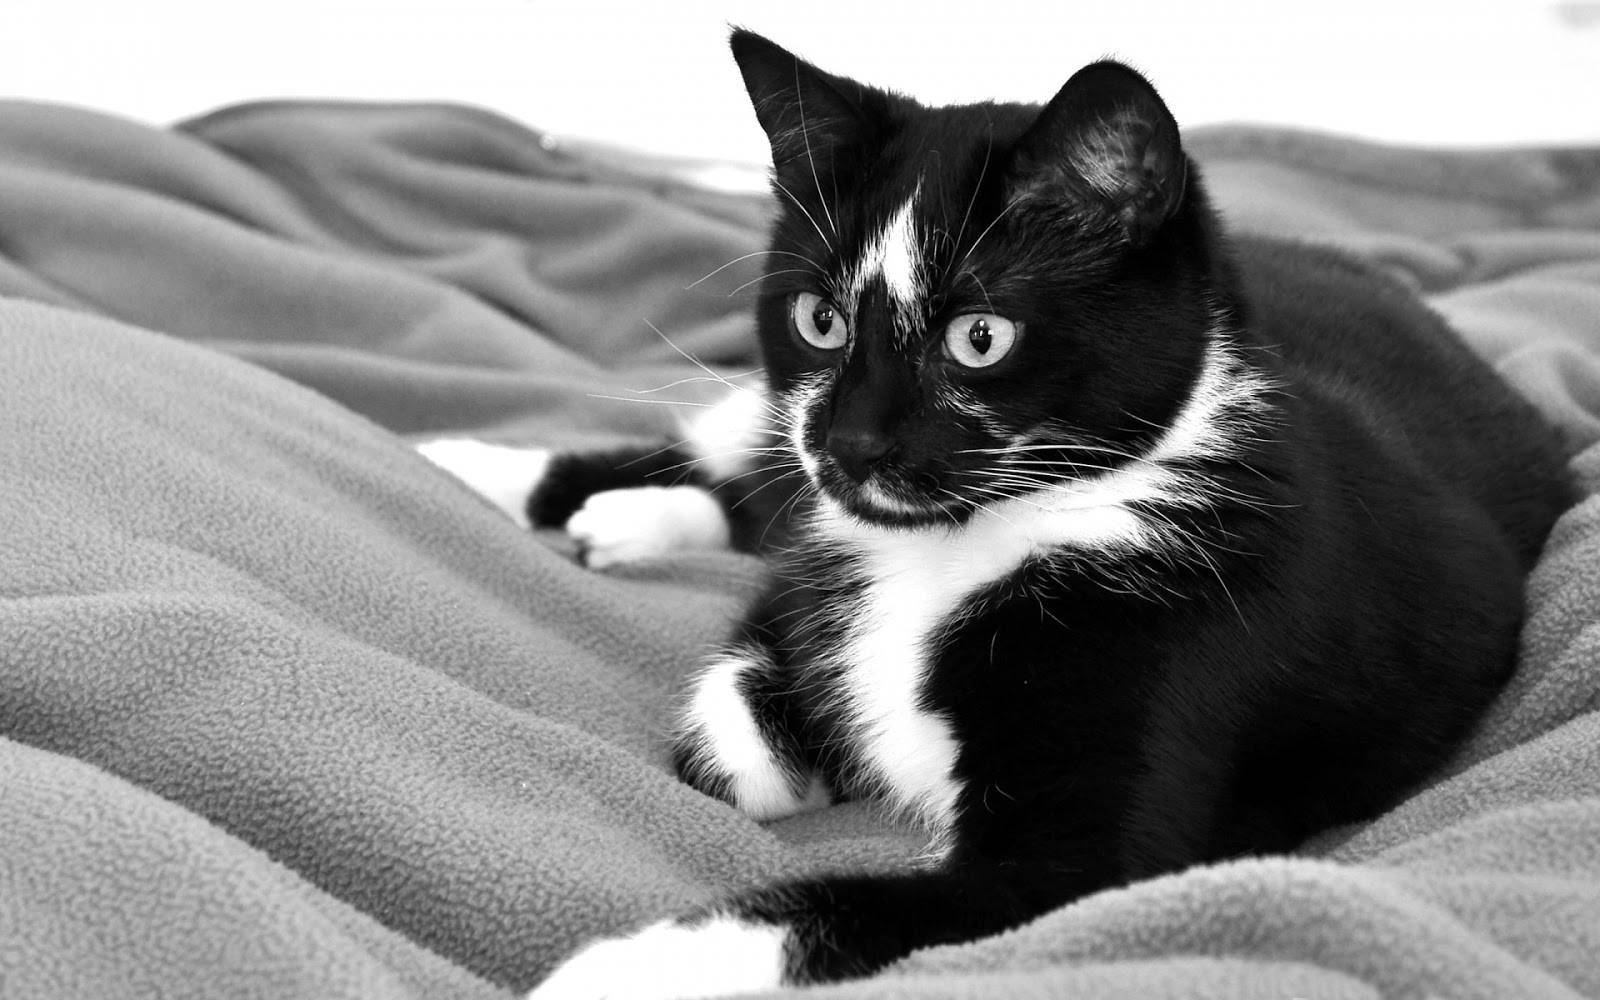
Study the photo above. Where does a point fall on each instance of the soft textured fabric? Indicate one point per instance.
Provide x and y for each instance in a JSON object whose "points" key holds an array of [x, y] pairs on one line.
{"points": [[285, 711]]}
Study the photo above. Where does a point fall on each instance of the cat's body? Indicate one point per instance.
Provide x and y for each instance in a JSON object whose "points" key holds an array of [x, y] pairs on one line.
{"points": [[1183, 548]]}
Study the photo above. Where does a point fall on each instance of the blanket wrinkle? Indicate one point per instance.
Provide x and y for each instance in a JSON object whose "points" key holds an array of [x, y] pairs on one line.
{"points": [[285, 711], [121, 860]]}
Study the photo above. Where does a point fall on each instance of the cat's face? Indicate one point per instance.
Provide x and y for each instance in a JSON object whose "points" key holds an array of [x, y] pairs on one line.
{"points": [[967, 304]]}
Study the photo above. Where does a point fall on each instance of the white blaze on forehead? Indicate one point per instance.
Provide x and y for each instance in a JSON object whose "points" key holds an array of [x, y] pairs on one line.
{"points": [[899, 263], [892, 254]]}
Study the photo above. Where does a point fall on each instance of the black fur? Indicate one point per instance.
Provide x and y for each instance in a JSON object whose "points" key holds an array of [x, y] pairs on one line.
{"points": [[574, 477], [1343, 605]]}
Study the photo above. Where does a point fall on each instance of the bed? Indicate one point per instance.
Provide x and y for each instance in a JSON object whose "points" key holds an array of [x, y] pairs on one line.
{"points": [[286, 711]]}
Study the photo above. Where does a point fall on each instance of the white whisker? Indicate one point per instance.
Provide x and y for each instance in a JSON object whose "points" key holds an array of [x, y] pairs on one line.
{"points": [[805, 136], [651, 402], [804, 211], [744, 257], [764, 277], [994, 222], [967, 215]]}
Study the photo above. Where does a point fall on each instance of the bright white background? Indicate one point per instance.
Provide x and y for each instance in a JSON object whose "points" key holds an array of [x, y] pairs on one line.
{"points": [[657, 75]]}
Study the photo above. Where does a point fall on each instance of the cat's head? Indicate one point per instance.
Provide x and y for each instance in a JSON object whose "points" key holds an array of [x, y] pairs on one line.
{"points": [[963, 304]]}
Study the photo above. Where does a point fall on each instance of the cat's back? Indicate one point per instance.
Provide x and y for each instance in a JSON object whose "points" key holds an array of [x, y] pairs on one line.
{"points": [[1361, 349], [1330, 316]]}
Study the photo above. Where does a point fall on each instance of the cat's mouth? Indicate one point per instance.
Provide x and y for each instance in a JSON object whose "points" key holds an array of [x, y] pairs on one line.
{"points": [[885, 491], [883, 499]]}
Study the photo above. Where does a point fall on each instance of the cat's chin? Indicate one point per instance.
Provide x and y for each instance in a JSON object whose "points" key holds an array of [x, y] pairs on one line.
{"points": [[873, 503]]}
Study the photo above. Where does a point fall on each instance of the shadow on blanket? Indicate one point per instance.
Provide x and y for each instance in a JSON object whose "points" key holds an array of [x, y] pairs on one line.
{"points": [[287, 712]]}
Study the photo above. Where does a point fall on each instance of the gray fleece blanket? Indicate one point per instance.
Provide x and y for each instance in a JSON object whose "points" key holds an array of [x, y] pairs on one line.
{"points": [[285, 711]]}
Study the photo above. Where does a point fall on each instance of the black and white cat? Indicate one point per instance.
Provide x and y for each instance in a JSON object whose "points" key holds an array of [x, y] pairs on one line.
{"points": [[1103, 543]]}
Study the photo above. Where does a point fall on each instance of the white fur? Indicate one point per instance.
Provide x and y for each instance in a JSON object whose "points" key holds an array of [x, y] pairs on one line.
{"points": [[907, 750], [644, 522], [881, 498], [897, 255], [893, 254], [503, 475], [718, 722], [721, 437], [1207, 426], [720, 957]]}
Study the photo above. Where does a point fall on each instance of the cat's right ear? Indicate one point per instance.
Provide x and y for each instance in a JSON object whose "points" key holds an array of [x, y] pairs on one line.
{"points": [[802, 109]]}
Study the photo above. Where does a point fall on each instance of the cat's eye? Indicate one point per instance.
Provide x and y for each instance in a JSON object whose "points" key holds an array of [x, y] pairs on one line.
{"points": [[978, 340], [818, 322]]}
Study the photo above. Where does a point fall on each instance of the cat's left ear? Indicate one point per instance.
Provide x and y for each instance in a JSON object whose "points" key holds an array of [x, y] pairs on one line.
{"points": [[1107, 142]]}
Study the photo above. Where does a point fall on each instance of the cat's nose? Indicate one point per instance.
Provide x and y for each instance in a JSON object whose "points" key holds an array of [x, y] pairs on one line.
{"points": [[858, 451]]}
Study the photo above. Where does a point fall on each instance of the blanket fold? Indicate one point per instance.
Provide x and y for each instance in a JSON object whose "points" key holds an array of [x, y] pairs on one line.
{"points": [[286, 711]]}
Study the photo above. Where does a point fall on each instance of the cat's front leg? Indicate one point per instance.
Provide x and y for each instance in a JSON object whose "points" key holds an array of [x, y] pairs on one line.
{"points": [[740, 737]]}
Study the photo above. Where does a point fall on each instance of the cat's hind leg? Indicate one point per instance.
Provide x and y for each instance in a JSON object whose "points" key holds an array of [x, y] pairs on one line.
{"points": [[812, 930], [740, 739], [506, 476], [727, 482]]}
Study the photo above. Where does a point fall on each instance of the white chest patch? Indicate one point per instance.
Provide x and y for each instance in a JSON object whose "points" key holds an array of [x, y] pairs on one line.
{"points": [[907, 751], [917, 581]]}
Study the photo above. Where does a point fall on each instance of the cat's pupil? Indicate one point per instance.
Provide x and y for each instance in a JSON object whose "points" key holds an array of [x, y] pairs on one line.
{"points": [[822, 316], [979, 337]]}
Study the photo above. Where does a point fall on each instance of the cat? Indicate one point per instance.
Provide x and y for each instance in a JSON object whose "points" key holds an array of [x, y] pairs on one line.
{"points": [[1103, 542]]}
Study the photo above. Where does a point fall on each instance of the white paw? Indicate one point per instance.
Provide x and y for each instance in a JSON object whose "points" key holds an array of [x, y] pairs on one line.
{"points": [[503, 475], [620, 526], [719, 957], [723, 738]]}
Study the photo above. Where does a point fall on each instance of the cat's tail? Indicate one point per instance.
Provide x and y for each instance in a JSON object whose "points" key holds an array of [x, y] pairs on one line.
{"points": [[814, 930]]}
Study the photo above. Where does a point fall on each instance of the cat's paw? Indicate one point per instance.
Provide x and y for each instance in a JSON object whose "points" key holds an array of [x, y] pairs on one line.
{"points": [[503, 475], [642, 522], [724, 750], [712, 957]]}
